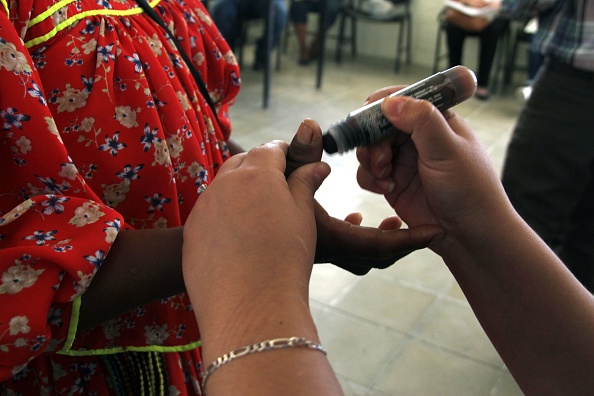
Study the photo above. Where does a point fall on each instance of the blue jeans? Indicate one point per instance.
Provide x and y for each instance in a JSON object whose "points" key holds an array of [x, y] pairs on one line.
{"points": [[301, 8], [228, 15]]}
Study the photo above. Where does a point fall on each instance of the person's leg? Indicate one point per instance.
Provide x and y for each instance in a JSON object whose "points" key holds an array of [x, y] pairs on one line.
{"points": [[548, 168], [455, 39], [225, 15], [488, 46], [577, 247], [331, 13], [298, 15], [278, 25]]}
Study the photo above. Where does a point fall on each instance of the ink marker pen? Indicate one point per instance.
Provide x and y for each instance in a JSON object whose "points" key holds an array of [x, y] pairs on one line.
{"points": [[368, 125]]}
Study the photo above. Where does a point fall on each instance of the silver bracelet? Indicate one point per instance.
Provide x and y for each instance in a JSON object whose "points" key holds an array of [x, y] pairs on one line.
{"points": [[268, 345]]}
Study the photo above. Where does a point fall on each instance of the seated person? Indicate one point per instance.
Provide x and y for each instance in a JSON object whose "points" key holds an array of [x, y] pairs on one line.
{"points": [[488, 36], [229, 14], [298, 14]]}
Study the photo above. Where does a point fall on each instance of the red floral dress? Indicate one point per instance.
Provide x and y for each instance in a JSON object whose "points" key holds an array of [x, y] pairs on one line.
{"points": [[102, 128]]}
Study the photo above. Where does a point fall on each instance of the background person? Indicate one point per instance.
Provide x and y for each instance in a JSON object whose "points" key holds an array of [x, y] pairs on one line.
{"points": [[548, 170], [230, 15], [298, 14], [488, 33]]}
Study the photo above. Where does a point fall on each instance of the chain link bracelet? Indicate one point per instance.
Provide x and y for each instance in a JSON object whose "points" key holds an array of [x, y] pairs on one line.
{"points": [[268, 345]]}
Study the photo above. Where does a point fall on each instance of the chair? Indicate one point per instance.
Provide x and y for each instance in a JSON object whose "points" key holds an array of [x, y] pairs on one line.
{"points": [[243, 40], [499, 63], [355, 10], [523, 32]]}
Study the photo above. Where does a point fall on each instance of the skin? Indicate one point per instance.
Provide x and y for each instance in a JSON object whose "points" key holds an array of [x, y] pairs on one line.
{"points": [[537, 315], [259, 292], [119, 286]]}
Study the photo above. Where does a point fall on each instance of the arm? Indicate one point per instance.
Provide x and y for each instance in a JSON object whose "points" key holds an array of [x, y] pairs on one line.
{"points": [[142, 266], [35, 163], [538, 316], [248, 279]]}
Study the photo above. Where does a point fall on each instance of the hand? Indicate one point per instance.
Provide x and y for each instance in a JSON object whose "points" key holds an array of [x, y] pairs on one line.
{"points": [[248, 253], [252, 233], [434, 172], [345, 242]]}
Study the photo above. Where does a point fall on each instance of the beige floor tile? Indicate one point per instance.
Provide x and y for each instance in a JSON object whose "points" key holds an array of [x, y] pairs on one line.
{"points": [[506, 386], [328, 283], [422, 269], [425, 370], [387, 303], [454, 327], [357, 349]]}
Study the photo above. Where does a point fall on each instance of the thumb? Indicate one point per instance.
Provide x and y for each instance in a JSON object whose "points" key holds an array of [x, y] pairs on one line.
{"points": [[431, 133], [306, 146], [305, 181]]}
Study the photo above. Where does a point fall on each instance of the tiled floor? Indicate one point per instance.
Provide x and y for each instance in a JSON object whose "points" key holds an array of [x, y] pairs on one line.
{"points": [[405, 330]]}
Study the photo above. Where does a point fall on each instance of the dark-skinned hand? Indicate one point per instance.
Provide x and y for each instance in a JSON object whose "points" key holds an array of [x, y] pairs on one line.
{"points": [[346, 243]]}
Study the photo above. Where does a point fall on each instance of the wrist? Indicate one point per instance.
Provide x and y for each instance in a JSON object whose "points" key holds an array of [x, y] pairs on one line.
{"points": [[233, 325], [474, 245]]}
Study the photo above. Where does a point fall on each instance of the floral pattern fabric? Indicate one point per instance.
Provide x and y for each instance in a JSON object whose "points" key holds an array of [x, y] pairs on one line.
{"points": [[102, 128]]}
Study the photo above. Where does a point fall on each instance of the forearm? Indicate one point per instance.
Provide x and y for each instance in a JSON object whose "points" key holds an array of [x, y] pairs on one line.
{"points": [[291, 371], [538, 316], [142, 266]]}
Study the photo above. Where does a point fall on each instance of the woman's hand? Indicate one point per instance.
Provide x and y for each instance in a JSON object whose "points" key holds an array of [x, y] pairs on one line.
{"points": [[252, 232], [248, 252]]}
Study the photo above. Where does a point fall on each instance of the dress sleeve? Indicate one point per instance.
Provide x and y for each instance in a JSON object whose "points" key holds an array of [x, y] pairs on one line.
{"points": [[54, 231]]}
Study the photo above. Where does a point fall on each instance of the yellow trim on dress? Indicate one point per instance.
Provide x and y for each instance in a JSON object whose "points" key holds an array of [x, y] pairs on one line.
{"points": [[74, 316], [66, 349], [62, 25], [147, 348], [5, 4]]}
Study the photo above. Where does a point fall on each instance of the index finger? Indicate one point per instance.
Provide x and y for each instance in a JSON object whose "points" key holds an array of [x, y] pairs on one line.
{"points": [[383, 92]]}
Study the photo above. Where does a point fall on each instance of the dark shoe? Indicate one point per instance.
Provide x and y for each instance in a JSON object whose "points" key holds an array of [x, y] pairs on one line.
{"points": [[481, 93], [303, 61]]}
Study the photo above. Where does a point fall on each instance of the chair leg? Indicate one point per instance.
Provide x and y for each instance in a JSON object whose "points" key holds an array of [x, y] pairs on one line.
{"points": [[353, 37], [438, 45], [408, 40], [268, 32], [322, 44], [511, 60], [340, 41], [399, 47]]}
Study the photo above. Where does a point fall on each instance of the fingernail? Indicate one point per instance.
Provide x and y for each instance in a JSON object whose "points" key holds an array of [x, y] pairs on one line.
{"points": [[304, 134], [393, 106], [386, 185]]}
